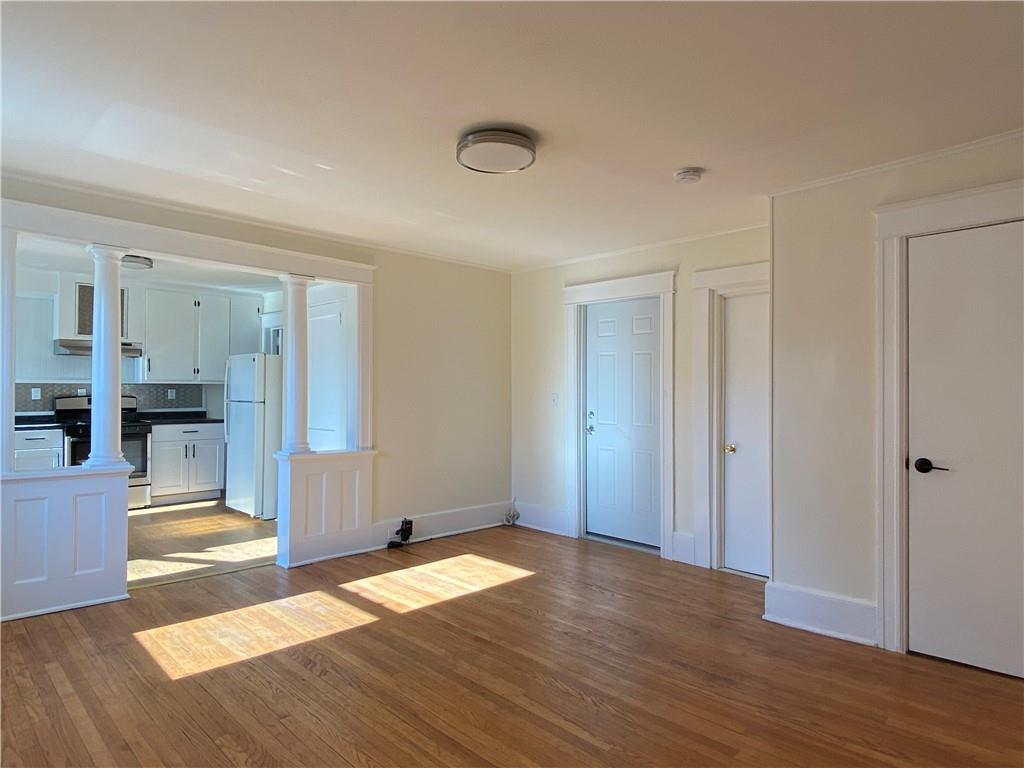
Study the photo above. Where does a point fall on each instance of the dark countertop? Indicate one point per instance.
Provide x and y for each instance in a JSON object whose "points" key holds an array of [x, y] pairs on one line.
{"points": [[42, 421], [178, 417]]}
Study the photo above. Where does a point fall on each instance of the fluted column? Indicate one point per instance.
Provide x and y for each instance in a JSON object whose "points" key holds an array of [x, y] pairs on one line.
{"points": [[105, 450], [296, 364]]}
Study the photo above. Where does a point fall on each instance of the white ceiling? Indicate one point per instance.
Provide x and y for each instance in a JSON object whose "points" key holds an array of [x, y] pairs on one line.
{"points": [[343, 117], [54, 255]]}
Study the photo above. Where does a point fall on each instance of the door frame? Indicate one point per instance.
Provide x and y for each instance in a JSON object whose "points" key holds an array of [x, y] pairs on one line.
{"points": [[660, 285], [895, 224], [710, 290]]}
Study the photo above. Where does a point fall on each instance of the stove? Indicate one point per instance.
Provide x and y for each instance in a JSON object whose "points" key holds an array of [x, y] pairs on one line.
{"points": [[74, 414]]}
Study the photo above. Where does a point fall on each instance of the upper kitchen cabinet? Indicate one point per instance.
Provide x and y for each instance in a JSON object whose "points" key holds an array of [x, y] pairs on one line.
{"points": [[246, 324], [74, 310], [187, 336]]}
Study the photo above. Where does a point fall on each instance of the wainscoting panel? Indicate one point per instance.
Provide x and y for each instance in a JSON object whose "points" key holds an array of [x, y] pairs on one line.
{"points": [[65, 539]]}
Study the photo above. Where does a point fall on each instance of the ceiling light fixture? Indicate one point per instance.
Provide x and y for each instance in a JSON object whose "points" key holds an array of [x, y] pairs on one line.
{"points": [[496, 151], [689, 175], [131, 261]]}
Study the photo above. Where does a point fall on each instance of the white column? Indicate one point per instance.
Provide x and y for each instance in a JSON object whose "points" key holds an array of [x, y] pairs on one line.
{"points": [[296, 364], [7, 342], [106, 358]]}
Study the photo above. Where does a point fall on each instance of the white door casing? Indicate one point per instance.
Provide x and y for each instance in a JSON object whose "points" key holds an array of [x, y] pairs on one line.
{"points": [[895, 224], [622, 403], [966, 415], [712, 289], [746, 489], [662, 286]]}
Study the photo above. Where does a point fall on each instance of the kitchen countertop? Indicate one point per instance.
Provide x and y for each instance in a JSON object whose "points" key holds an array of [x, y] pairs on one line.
{"points": [[178, 417]]}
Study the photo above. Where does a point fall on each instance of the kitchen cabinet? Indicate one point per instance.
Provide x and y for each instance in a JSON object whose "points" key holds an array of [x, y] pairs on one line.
{"points": [[38, 449], [246, 326], [187, 336], [74, 309], [187, 458]]}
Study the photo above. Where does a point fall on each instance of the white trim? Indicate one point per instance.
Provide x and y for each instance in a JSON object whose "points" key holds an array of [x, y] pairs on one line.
{"points": [[440, 524], [634, 287], [999, 138], [540, 518], [711, 288], [894, 225], [91, 228], [68, 607], [825, 613], [638, 248], [662, 286]]}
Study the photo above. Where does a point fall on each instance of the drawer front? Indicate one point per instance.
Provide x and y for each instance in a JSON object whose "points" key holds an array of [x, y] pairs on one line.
{"points": [[38, 438], [168, 432]]}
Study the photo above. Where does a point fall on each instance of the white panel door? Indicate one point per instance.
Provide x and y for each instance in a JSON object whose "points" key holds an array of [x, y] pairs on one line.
{"points": [[622, 419], [206, 465], [169, 467], [966, 352], [328, 377], [746, 490], [214, 322], [170, 336]]}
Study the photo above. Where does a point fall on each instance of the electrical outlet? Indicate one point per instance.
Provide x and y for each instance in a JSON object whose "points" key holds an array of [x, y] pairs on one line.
{"points": [[172, 394], [37, 393], [82, 392]]}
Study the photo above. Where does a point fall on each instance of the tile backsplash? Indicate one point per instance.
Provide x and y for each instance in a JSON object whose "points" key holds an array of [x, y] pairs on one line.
{"points": [[151, 396]]}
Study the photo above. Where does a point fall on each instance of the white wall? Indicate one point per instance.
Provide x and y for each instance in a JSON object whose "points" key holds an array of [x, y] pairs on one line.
{"points": [[538, 364], [825, 326]]}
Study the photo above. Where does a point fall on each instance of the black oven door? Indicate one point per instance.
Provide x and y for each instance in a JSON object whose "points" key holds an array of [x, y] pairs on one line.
{"points": [[76, 450], [136, 452]]}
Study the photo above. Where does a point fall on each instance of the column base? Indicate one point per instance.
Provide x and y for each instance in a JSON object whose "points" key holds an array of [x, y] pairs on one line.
{"points": [[106, 462]]}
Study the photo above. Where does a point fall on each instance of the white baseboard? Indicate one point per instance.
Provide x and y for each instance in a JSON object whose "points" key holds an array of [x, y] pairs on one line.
{"points": [[430, 525], [68, 607], [544, 519], [846, 618], [682, 547]]}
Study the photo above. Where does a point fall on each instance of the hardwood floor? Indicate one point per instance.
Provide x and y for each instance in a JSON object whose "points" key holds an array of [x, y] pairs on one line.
{"points": [[186, 541], [500, 647]]}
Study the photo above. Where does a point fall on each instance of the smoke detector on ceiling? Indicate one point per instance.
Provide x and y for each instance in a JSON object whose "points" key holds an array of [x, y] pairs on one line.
{"points": [[689, 175], [496, 151]]}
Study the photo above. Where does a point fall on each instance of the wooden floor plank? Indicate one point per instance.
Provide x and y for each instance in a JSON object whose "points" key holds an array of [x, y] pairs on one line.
{"points": [[500, 647]]}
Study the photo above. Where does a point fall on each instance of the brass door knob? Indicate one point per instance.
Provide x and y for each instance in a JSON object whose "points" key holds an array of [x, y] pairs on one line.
{"points": [[730, 449]]}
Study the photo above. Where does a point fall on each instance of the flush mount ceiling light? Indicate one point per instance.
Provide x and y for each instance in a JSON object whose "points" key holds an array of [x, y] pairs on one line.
{"points": [[131, 261], [496, 151], [689, 175]]}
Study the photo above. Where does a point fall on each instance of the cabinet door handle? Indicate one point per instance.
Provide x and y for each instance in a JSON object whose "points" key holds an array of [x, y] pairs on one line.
{"points": [[189, 431], [186, 451], [149, 364], [34, 438], [193, 450]]}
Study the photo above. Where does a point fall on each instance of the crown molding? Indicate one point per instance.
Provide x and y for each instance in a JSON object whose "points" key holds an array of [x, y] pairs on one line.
{"points": [[1015, 135]]}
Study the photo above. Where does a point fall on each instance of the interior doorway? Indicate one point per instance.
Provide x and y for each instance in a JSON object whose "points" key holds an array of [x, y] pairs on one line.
{"points": [[622, 421], [965, 352], [619, 411], [732, 419]]}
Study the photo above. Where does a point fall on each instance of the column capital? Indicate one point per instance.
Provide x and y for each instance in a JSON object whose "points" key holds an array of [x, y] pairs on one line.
{"points": [[291, 279], [106, 252]]}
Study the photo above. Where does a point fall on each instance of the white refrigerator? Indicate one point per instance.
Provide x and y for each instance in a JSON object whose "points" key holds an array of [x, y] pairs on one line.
{"points": [[252, 427]]}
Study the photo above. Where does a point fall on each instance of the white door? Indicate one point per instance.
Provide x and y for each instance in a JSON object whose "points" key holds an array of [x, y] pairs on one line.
{"points": [[746, 490], [214, 324], [966, 351], [328, 378], [169, 467], [245, 459], [170, 336], [206, 468], [621, 420]]}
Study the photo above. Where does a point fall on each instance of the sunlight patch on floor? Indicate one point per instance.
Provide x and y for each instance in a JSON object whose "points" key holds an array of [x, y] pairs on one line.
{"points": [[197, 505], [183, 562], [432, 583], [200, 645]]}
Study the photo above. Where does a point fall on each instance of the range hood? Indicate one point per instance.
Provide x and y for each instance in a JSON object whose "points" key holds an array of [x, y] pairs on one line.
{"points": [[83, 347]]}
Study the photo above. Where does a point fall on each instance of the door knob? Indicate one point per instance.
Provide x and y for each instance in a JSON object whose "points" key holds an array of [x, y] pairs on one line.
{"points": [[730, 449], [590, 429], [924, 466]]}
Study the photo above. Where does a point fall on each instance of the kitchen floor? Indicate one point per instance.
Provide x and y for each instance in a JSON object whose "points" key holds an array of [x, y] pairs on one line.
{"points": [[188, 541]]}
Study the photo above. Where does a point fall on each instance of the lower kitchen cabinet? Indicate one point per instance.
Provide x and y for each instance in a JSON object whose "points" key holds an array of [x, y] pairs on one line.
{"points": [[187, 466]]}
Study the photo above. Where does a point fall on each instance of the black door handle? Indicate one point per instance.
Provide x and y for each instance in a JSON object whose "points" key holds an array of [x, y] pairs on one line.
{"points": [[924, 466]]}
